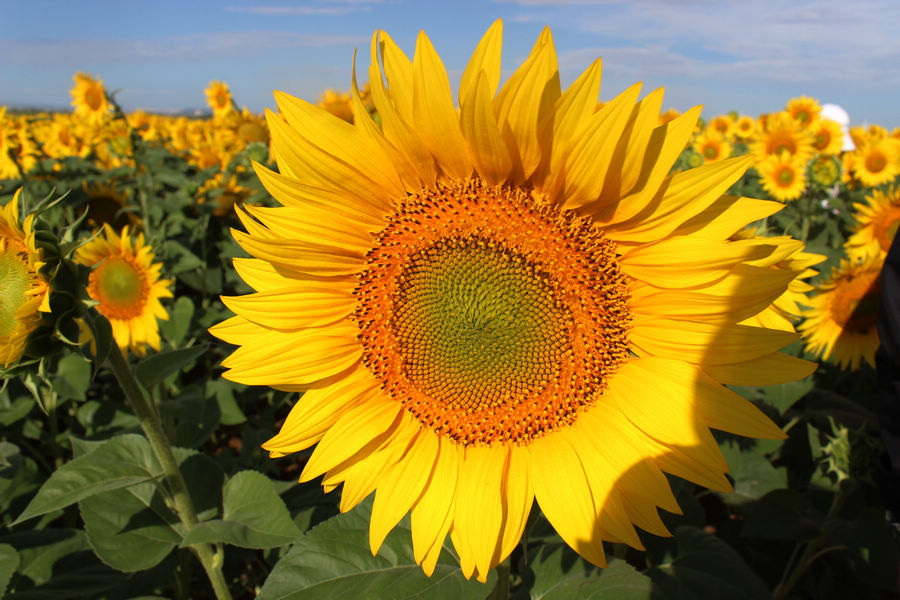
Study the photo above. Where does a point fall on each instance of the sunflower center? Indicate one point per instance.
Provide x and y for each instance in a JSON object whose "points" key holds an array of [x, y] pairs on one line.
{"points": [[120, 287], [491, 315], [782, 144], [92, 99], [857, 301], [710, 151], [876, 162], [14, 282], [785, 176]]}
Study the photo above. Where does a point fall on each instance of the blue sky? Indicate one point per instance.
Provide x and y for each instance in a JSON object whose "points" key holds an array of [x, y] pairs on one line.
{"points": [[751, 57]]}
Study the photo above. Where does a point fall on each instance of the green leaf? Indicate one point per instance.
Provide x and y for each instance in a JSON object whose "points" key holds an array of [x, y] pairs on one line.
{"points": [[179, 323], [707, 567], [556, 572], [130, 529], [784, 395], [753, 474], [9, 562], [231, 413], [73, 376], [254, 516], [120, 462], [782, 515], [100, 417], [40, 550], [154, 369], [333, 561], [103, 336]]}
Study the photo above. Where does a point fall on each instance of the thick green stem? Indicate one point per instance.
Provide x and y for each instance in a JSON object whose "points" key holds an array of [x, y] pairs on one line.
{"points": [[812, 550], [184, 507]]}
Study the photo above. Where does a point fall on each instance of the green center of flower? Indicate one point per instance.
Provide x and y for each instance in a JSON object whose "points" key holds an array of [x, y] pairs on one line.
{"points": [[785, 176], [14, 281], [476, 324], [710, 151], [119, 288]]}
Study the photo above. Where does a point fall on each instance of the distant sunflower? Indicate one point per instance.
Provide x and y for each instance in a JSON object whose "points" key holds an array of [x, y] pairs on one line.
{"points": [[712, 146], [337, 103], [825, 171], [876, 224], [783, 177], [24, 290], [877, 161], [723, 124], [841, 323], [828, 138], [89, 99], [126, 283], [745, 127], [782, 134], [506, 302], [218, 96], [804, 110]]}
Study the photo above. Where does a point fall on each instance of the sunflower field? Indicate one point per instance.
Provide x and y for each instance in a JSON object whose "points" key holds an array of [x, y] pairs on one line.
{"points": [[524, 344]]}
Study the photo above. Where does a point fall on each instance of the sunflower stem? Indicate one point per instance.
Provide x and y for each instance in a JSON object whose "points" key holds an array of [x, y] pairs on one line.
{"points": [[152, 427], [812, 551]]}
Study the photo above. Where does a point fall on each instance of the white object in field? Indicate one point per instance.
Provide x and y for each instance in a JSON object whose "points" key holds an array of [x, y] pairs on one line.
{"points": [[838, 114]]}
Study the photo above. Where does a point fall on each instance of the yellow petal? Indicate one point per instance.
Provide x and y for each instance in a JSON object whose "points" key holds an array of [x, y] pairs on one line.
{"points": [[485, 59], [434, 115], [432, 515], [478, 512], [476, 119], [362, 428], [564, 495], [726, 216], [770, 369], [401, 486], [293, 310], [707, 343], [524, 101]]}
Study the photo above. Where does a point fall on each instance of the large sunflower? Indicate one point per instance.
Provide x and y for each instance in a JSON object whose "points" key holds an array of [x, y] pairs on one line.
{"points": [[505, 302], [89, 99], [781, 134], [877, 161], [23, 290], [842, 318], [876, 224], [126, 284]]}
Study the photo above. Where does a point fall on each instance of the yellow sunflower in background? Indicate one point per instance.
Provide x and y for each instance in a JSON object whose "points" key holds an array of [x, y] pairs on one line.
{"points": [[218, 96], [804, 110], [712, 146], [745, 127], [126, 283], [337, 103], [841, 323], [876, 225], [877, 161], [89, 99], [782, 176], [24, 293], [669, 115], [506, 302], [782, 134], [828, 138], [723, 124]]}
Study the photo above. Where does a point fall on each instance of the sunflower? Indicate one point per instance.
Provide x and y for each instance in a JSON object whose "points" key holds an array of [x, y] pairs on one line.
{"points": [[782, 134], [828, 137], [126, 284], [842, 318], [24, 291], [89, 99], [712, 146], [723, 124], [506, 302], [804, 110], [825, 171], [337, 103], [218, 96], [745, 127], [876, 224], [782, 176], [877, 161]]}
